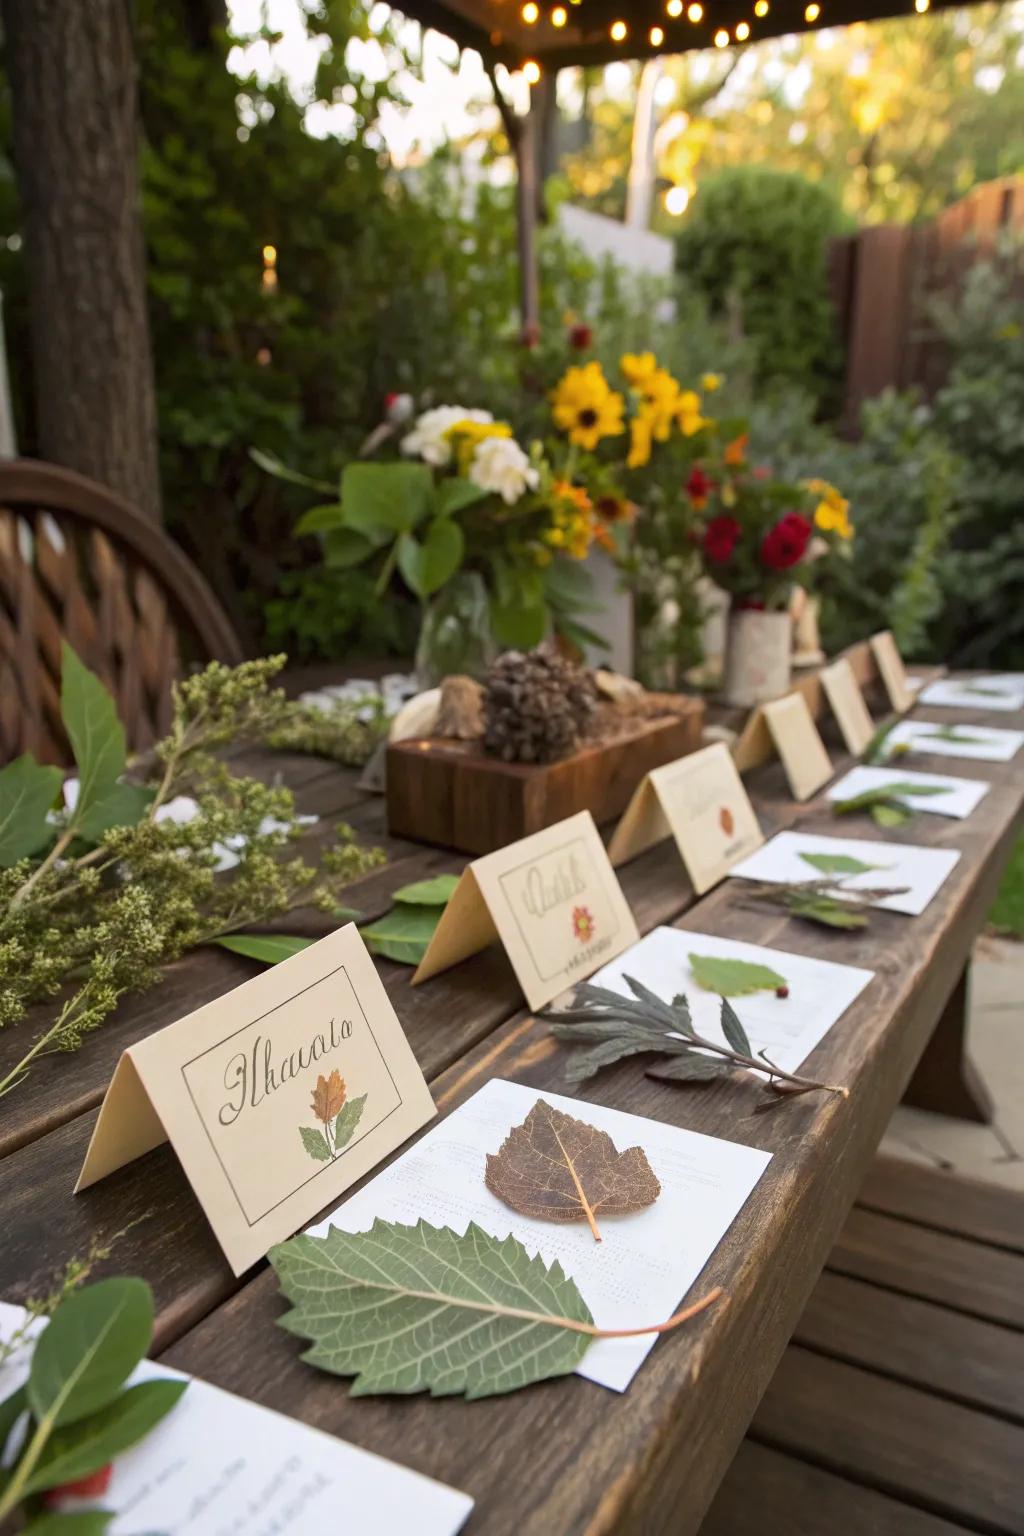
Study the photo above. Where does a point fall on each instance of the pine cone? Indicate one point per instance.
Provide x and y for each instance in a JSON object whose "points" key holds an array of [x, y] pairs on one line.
{"points": [[536, 706]]}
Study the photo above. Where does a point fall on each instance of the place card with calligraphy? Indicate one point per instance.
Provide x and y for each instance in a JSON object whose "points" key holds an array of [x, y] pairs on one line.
{"points": [[276, 1098], [551, 899], [700, 801], [799, 745], [847, 704], [893, 673]]}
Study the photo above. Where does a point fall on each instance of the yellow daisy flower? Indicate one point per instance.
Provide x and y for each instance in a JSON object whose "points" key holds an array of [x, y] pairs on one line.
{"points": [[465, 435], [831, 514], [637, 367], [641, 440], [586, 408], [688, 413]]}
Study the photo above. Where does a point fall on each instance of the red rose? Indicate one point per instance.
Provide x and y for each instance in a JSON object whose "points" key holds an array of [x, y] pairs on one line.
{"points": [[580, 337], [720, 538], [699, 486], [786, 544], [92, 1487]]}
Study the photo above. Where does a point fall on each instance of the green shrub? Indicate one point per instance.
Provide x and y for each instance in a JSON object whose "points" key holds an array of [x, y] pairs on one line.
{"points": [[755, 243]]}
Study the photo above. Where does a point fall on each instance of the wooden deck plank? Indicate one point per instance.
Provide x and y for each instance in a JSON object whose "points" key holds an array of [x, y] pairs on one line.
{"points": [[949, 1460], [969, 1361], [945, 1202], [767, 1491], [934, 1266]]}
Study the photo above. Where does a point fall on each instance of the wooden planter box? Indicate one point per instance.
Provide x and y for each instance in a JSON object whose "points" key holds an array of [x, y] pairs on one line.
{"points": [[449, 793]]}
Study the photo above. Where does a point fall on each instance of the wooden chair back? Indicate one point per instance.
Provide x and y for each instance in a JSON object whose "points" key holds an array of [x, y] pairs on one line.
{"points": [[78, 563]]}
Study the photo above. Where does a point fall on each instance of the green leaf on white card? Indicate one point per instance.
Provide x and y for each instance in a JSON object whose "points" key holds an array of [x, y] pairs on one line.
{"points": [[890, 813], [315, 1143], [422, 1309], [838, 864], [88, 1349], [347, 1121], [733, 1030], [733, 978], [64, 1522], [27, 791], [82, 1448]]}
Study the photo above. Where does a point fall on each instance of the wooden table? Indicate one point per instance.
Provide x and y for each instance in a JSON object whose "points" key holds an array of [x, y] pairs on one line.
{"points": [[565, 1456]]}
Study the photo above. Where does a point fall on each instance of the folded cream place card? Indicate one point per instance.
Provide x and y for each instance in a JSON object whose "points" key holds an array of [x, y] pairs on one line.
{"points": [[847, 704], [276, 1098], [700, 801], [894, 674], [551, 899], [798, 743]]}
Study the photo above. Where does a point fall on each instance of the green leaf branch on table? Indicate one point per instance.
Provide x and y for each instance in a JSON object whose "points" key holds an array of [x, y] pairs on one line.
{"points": [[886, 804], [829, 901], [406, 1309], [97, 897], [404, 933], [80, 1414], [615, 1027]]}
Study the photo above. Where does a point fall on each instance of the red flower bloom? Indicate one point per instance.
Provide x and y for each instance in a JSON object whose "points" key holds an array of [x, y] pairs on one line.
{"points": [[580, 337], [720, 538], [92, 1487], [699, 487], [786, 544]]}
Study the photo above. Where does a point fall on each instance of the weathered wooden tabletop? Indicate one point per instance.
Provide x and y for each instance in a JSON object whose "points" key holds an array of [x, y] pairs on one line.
{"points": [[565, 1456]]}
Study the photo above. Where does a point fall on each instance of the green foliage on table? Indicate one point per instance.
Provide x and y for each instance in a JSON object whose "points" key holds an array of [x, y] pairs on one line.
{"points": [[757, 239], [887, 804], [113, 890], [733, 978], [404, 932], [81, 1414], [347, 730]]}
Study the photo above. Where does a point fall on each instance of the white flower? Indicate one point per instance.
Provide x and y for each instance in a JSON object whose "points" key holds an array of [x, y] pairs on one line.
{"points": [[499, 464], [428, 441]]}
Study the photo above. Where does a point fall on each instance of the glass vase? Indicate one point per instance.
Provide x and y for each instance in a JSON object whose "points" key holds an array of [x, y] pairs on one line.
{"points": [[455, 635]]}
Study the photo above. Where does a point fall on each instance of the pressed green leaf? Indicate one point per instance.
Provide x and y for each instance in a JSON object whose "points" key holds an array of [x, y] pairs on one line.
{"points": [[952, 734], [80, 1522], [27, 791], [436, 892], [827, 910], [92, 1343], [95, 733], [427, 565], [690, 1068], [319, 519], [347, 1121], [343, 548], [124, 805], [315, 1143], [84, 1447], [838, 864], [403, 933], [269, 948], [732, 1029], [421, 1309], [890, 815], [733, 978], [452, 495], [385, 496], [584, 1064], [916, 790]]}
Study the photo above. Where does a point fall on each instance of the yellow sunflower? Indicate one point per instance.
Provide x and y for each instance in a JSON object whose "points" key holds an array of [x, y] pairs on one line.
{"points": [[586, 408]]}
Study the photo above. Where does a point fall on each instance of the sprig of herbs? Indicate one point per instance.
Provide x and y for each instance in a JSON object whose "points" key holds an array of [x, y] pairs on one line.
{"points": [[616, 1027], [886, 804], [816, 901]]}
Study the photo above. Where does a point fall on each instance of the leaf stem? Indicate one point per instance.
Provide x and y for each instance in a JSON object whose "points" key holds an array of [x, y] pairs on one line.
{"points": [[580, 1191]]}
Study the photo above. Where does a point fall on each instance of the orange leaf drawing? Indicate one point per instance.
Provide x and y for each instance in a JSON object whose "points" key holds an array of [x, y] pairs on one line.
{"points": [[725, 820], [328, 1096]]}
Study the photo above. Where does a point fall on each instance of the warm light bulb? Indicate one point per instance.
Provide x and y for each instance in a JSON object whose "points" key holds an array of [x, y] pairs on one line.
{"points": [[920, 6], [761, 8], [531, 71], [674, 7], [270, 255], [559, 16], [677, 200], [530, 12], [619, 31], [812, 12], [742, 32], [721, 38], [657, 37], [695, 12]]}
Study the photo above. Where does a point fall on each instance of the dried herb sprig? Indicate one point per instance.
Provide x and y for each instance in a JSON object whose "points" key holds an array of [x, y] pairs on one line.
{"points": [[886, 804], [348, 730], [816, 901], [618, 1026]]}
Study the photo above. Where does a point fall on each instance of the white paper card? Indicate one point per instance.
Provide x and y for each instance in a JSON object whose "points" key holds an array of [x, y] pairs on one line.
{"points": [[986, 743], [218, 1465], [646, 1262], [788, 1028], [1003, 692], [920, 870], [958, 797]]}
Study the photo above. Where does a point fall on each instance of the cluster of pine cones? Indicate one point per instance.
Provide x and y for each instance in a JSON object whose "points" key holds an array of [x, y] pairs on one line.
{"points": [[536, 707]]}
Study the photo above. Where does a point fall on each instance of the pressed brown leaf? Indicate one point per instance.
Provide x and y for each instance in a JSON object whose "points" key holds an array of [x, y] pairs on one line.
{"points": [[328, 1096], [560, 1169]]}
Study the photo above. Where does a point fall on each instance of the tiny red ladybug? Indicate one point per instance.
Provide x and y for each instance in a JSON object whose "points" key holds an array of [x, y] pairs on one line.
{"points": [[781, 991]]}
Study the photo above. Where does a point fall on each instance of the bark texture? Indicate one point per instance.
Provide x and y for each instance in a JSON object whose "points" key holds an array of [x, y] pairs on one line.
{"points": [[72, 74]]}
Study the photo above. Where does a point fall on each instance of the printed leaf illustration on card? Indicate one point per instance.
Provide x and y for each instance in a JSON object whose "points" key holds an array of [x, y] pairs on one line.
{"points": [[733, 978], [556, 1168], [338, 1115], [425, 1309]]}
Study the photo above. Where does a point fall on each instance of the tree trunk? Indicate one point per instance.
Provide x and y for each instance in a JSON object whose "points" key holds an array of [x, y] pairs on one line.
{"points": [[72, 75]]}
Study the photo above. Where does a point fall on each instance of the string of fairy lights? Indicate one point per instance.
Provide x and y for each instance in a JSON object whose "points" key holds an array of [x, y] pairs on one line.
{"points": [[532, 14]]}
